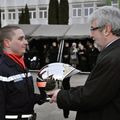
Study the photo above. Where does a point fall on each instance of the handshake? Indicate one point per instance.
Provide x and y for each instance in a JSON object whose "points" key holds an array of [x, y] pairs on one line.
{"points": [[47, 77], [49, 74]]}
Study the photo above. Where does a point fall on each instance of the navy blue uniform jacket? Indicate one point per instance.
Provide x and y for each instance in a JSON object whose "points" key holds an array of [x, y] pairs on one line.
{"points": [[99, 98], [16, 89]]}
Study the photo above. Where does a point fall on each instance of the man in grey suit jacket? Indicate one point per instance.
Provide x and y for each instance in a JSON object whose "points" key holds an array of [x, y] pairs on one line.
{"points": [[99, 98]]}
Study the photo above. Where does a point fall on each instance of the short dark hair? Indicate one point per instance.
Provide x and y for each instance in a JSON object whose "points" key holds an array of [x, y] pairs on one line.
{"points": [[7, 32]]}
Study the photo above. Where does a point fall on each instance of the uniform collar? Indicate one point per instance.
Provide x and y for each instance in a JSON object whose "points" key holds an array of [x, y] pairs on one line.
{"points": [[11, 63], [18, 59]]}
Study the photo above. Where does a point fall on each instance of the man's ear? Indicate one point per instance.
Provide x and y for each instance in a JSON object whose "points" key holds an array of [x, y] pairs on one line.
{"points": [[6, 43], [107, 30]]}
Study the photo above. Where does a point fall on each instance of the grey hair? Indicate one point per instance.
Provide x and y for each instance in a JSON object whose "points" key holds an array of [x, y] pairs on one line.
{"points": [[107, 15]]}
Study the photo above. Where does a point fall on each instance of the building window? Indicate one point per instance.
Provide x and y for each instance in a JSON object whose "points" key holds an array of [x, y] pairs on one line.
{"points": [[79, 12], [32, 13], [2, 15], [76, 10], [19, 12], [115, 3], [40, 14], [11, 14], [43, 12], [88, 9]]}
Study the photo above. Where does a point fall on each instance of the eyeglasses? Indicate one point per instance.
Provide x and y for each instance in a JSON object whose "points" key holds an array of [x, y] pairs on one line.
{"points": [[94, 28]]}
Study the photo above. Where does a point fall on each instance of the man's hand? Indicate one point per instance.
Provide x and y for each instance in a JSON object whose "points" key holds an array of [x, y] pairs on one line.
{"points": [[54, 94]]}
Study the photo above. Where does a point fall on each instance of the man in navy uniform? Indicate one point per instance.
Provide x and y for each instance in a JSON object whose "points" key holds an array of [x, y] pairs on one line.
{"points": [[17, 97]]}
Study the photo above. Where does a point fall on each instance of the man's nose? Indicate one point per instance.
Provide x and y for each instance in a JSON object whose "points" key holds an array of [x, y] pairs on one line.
{"points": [[91, 36], [26, 41]]}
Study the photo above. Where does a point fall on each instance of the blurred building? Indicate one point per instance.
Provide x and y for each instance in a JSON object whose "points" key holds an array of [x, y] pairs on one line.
{"points": [[79, 10]]}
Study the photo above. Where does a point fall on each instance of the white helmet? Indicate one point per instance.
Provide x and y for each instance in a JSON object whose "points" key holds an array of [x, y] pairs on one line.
{"points": [[49, 74]]}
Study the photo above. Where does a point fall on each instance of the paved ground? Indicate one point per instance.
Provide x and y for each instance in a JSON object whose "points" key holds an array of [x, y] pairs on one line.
{"points": [[49, 111]]}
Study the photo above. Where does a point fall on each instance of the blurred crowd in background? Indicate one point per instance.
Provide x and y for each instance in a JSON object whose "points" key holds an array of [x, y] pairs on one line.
{"points": [[81, 55]]}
